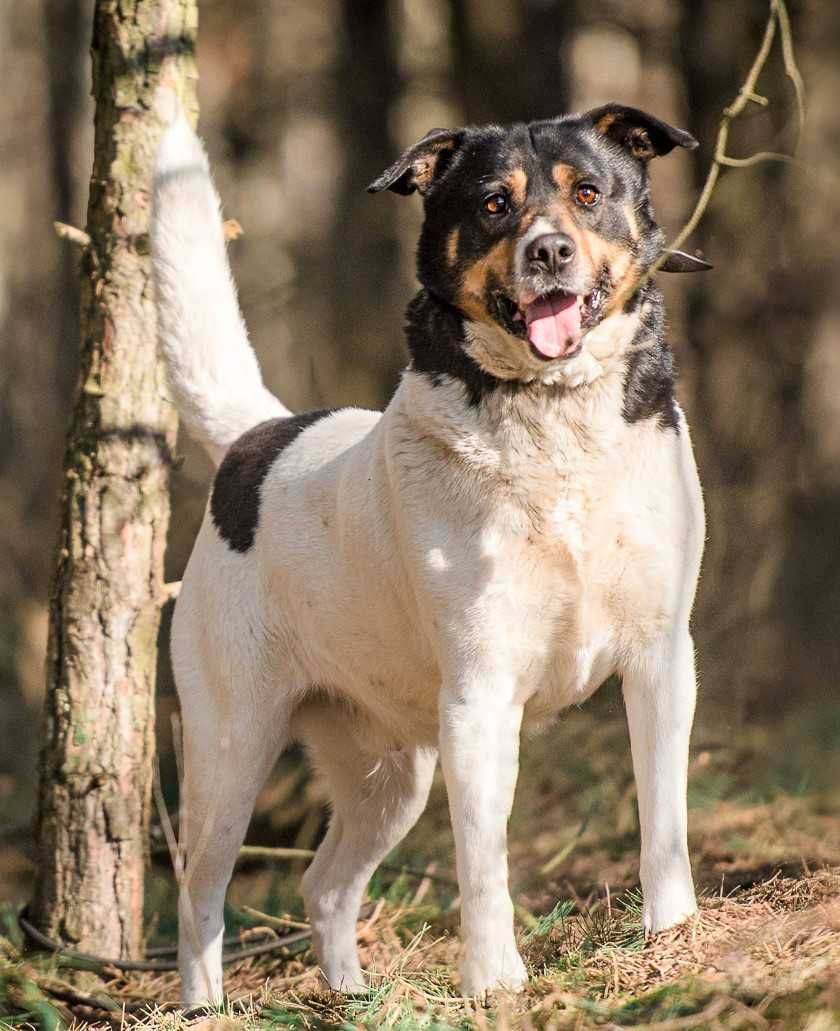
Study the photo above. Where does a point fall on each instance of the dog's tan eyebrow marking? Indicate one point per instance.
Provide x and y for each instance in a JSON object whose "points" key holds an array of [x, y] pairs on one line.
{"points": [[517, 183], [564, 175], [452, 245]]}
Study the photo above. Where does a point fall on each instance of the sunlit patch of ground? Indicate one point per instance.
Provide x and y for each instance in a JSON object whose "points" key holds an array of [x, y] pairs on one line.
{"points": [[763, 951]]}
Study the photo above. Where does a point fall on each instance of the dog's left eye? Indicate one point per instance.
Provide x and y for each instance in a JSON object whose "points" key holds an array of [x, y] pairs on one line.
{"points": [[496, 204], [587, 195]]}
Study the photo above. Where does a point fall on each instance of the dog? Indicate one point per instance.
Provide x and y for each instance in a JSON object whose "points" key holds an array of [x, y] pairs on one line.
{"points": [[523, 521]]}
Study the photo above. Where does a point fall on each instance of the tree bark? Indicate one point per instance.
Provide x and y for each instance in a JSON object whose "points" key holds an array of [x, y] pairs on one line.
{"points": [[509, 65], [364, 289], [96, 763]]}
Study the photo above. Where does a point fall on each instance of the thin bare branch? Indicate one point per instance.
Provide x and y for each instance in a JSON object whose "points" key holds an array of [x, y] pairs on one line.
{"points": [[748, 89], [176, 852], [791, 67], [71, 233], [758, 157], [777, 19]]}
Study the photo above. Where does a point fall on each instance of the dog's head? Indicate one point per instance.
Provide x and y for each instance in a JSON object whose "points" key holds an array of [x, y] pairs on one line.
{"points": [[540, 231]]}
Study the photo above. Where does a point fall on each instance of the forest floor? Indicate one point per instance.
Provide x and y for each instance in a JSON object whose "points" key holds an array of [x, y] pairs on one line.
{"points": [[763, 951]]}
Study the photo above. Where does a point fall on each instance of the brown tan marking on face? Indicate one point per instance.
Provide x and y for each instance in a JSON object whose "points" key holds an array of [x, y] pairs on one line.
{"points": [[564, 176], [604, 253], [562, 216], [525, 222], [625, 285], [615, 257], [517, 184], [496, 263], [596, 253], [624, 271], [452, 245]]}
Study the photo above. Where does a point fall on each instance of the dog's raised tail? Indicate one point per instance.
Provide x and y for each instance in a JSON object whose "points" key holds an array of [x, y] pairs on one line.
{"points": [[213, 371]]}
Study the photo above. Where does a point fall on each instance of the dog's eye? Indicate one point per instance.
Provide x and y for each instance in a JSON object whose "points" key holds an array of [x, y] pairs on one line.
{"points": [[496, 204], [587, 195]]}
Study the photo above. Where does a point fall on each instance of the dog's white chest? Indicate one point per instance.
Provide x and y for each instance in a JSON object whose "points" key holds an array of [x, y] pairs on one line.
{"points": [[597, 576]]}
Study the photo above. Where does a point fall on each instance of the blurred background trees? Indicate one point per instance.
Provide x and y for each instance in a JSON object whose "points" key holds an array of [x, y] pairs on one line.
{"points": [[302, 104]]}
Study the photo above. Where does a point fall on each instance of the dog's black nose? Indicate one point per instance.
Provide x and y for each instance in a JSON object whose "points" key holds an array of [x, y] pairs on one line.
{"points": [[550, 252]]}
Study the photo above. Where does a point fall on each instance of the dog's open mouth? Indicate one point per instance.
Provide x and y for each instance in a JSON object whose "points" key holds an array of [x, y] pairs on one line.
{"points": [[553, 323]]}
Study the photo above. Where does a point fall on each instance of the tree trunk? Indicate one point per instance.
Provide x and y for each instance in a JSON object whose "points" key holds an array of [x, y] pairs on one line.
{"points": [[510, 64], [96, 764], [364, 289]]}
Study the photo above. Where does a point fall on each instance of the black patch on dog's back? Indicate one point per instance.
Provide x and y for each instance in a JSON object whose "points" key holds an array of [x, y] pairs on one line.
{"points": [[235, 501]]}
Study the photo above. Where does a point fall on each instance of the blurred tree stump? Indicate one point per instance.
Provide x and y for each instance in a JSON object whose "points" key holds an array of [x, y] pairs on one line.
{"points": [[98, 745]]}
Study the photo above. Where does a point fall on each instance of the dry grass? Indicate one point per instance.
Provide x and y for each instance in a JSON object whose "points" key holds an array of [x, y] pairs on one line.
{"points": [[767, 957], [763, 952]]}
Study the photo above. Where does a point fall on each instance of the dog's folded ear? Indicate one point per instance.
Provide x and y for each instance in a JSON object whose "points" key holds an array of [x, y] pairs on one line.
{"points": [[643, 135], [679, 261], [419, 165]]}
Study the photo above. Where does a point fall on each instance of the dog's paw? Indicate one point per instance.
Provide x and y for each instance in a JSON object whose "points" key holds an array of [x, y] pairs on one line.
{"points": [[349, 980], [668, 909], [489, 970]]}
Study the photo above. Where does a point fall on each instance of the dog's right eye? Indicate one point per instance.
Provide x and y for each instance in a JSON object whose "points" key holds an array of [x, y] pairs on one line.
{"points": [[496, 204]]}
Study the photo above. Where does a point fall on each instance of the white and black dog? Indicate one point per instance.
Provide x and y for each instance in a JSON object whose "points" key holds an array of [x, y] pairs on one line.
{"points": [[523, 521]]}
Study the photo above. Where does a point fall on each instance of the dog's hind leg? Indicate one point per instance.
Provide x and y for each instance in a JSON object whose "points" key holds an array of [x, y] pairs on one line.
{"points": [[376, 799], [224, 768]]}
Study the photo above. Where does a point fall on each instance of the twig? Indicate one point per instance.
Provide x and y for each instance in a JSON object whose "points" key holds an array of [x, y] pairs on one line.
{"points": [[264, 852], [791, 69], [155, 965], [275, 921], [71, 233], [171, 590], [567, 849], [176, 852], [777, 19], [231, 228], [757, 158]]}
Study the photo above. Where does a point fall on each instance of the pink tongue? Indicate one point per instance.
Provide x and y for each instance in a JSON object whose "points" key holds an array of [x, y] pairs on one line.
{"points": [[554, 324]]}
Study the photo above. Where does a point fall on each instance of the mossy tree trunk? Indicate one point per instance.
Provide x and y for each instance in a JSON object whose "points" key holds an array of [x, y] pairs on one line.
{"points": [[98, 748]]}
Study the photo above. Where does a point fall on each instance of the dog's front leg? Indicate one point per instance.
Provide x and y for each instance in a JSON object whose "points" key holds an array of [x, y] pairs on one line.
{"points": [[479, 747], [659, 693]]}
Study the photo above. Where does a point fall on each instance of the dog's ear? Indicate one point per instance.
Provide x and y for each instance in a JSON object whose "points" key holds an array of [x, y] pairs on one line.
{"points": [[417, 167], [679, 261], [642, 135]]}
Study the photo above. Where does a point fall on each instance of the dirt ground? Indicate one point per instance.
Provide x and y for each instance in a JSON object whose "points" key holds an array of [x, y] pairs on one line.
{"points": [[763, 951]]}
